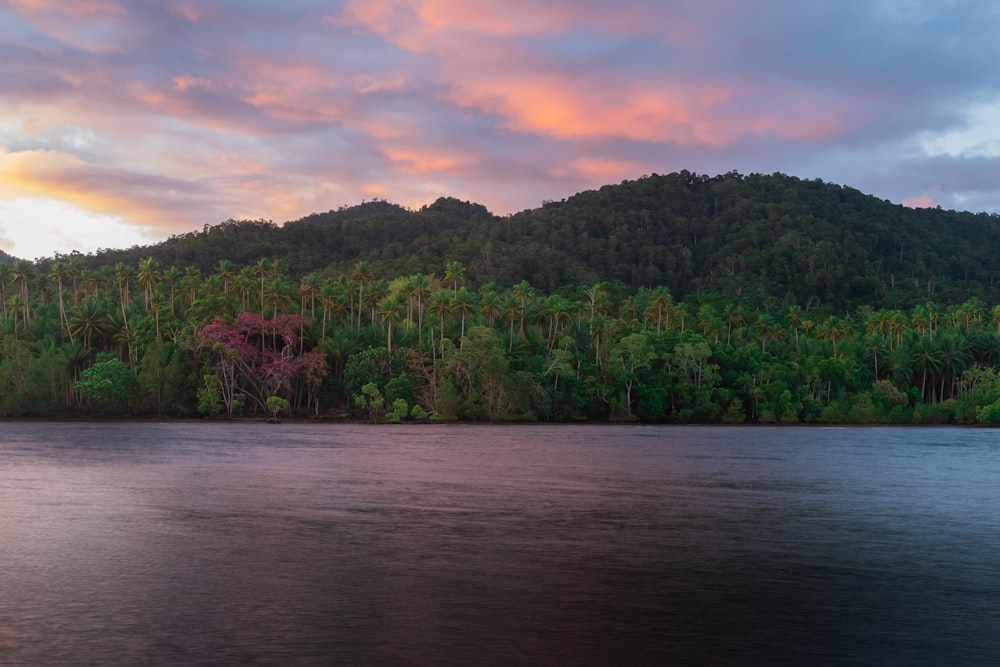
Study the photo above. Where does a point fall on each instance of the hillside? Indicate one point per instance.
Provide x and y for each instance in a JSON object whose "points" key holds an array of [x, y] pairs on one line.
{"points": [[802, 241]]}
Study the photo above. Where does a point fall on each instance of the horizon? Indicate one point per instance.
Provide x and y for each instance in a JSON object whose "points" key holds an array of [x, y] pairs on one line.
{"points": [[123, 124]]}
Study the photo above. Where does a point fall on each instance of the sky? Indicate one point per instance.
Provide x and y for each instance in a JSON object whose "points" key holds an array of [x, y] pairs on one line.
{"points": [[125, 122]]}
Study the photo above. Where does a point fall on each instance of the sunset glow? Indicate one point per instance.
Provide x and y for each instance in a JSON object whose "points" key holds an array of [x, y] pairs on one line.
{"points": [[124, 123]]}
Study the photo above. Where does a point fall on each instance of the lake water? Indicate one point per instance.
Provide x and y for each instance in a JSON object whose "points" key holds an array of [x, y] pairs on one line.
{"points": [[257, 544]]}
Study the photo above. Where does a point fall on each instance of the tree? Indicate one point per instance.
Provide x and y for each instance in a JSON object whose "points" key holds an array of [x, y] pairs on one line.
{"points": [[108, 383], [390, 309], [627, 356], [257, 357], [59, 273], [658, 308], [454, 273], [463, 303], [276, 405], [24, 273], [481, 374], [148, 275], [361, 275], [88, 321], [225, 270]]}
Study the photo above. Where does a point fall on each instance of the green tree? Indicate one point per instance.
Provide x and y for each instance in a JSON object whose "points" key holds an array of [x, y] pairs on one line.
{"points": [[108, 384]]}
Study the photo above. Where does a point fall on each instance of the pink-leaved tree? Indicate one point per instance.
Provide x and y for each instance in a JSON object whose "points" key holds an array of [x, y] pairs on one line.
{"points": [[259, 358]]}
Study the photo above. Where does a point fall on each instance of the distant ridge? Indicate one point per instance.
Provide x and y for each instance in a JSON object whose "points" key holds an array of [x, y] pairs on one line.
{"points": [[776, 236]]}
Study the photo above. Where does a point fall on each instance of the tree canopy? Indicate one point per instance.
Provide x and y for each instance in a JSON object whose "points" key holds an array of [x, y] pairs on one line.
{"points": [[678, 298]]}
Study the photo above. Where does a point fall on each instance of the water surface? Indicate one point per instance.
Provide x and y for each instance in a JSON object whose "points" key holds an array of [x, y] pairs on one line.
{"points": [[244, 544]]}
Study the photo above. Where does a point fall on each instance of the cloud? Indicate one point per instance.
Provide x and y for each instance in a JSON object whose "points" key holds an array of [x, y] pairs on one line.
{"points": [[922, 201], [146, 199], [171, 116]]}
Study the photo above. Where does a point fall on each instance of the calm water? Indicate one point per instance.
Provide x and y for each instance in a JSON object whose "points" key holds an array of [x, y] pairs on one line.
{"points": [[216, 544]]}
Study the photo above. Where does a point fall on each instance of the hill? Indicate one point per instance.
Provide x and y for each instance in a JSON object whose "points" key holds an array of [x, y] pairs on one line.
{"points": [[803, 241]]}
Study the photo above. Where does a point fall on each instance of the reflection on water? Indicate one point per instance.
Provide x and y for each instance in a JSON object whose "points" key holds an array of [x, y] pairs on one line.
{"points": [[166, 544]]}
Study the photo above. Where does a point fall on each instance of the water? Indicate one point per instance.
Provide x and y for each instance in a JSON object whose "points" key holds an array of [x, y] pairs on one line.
{"points": [[255, 544]]}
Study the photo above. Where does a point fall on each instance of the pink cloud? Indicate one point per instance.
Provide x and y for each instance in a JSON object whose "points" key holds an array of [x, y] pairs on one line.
{"points": [[188, 11], [488, 67], [922, 201], [77, 9]]}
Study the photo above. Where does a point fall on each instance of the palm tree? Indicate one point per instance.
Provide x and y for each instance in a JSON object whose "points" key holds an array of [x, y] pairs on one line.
{"points": [[510, 309], [463, 301], [24, 273], [76, 270], [489, 306], [15, 303], [172, 277], [279, 296], [682, 312], [441, 304], [148, 275], [454, 273], [361, 275], [733, 317], [522, 292], [346, 285], [331, 300], [377, 290], [123, 276], [246, 283], [225, 270], [926, 360], [262, 269], [920, 319], [59, 273], [658, 308], [765, 327], [829, 330], [190, 283], [953, 356], [309, 289], [556, 310], [874, 343], [89, 320], [6, 276], [421, 287], [390, 309]]}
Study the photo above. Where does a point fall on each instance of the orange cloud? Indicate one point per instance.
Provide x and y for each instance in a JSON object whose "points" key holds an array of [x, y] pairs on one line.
{"points": [[595, 170], [488, 69], [570, 110], [140, 198], [412, 24], [412, 161]]}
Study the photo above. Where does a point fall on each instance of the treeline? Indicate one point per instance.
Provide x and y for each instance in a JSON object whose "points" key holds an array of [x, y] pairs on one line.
{"points": [[255, 340], [807, 243]]}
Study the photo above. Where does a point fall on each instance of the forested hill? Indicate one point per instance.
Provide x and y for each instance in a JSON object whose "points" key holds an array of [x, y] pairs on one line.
{"points": [[802, 241]]}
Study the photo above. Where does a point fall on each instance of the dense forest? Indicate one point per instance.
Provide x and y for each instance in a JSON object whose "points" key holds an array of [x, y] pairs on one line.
{"points": [[680, 298]]}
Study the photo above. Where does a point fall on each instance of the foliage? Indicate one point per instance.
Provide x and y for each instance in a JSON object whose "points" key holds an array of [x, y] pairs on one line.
{"points": [[276, 405], [109, 384], [677, 298], [258, 357]]}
